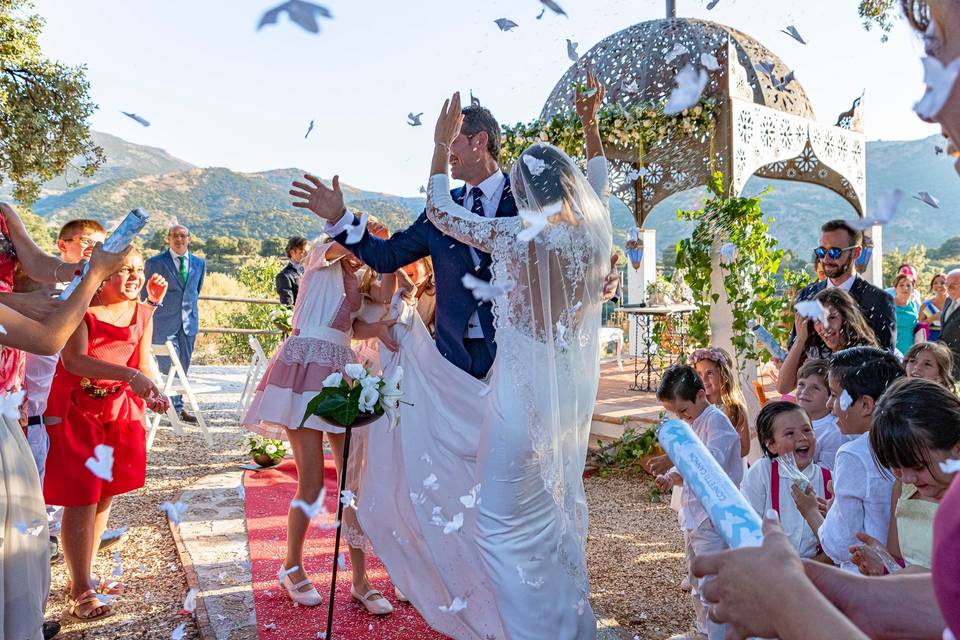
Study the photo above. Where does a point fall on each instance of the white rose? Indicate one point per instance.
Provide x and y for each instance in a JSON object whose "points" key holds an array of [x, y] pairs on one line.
{"points": [[355, 371], [370, 381], [333, 380], [270, 449], [368, 399]]}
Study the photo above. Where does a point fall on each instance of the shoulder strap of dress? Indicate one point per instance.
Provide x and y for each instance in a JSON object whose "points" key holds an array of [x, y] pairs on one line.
{"points": [[775, 485]]}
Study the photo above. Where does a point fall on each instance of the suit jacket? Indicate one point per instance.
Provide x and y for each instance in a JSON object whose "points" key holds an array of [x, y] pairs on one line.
{"points": [[875, 303], [950, 334], [287, 283], [451, 260], [179, 309]]}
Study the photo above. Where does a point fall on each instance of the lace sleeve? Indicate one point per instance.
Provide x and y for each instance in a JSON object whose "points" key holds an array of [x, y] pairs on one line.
{"points": [[457, 222]]}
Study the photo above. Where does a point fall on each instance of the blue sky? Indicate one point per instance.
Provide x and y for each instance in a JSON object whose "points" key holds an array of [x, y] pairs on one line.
{"points": [[220, 93]]}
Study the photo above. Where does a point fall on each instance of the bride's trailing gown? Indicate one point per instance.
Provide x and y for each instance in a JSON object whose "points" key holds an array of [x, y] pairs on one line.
{"points": [[506, 454]]}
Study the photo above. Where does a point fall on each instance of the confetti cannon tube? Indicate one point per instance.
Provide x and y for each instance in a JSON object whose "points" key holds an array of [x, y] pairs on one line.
{"points": [[119, 240], [767, 340], [729, 511]]}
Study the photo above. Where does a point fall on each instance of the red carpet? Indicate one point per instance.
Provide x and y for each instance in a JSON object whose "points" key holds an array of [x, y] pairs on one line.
{"points": [[268, 495]]}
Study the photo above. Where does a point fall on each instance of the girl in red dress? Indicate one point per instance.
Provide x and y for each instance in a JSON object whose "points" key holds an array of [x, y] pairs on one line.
{"points": [[98, 397]]}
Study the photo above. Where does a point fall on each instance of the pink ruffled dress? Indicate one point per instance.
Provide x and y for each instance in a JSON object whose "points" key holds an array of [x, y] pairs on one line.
{"points": [[327, 304]]}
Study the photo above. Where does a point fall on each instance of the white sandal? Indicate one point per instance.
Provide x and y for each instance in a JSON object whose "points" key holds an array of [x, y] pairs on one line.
{"points": [[309, 598], [373, 601]]}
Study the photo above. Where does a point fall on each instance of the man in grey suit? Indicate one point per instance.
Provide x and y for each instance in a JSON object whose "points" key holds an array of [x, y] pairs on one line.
{"points": [[178, 318], [950, 319]]}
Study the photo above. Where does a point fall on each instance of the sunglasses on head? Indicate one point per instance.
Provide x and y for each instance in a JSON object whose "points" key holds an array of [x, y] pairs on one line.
{"points": [[833, 253]]}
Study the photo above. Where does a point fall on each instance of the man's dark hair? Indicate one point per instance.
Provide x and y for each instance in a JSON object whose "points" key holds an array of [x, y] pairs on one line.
{"points": [[856, 238], [865, 371], [477, 119], [295, 242], [679, 382]]}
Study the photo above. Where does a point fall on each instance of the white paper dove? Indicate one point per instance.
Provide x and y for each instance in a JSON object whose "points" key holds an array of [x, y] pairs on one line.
{"points": [[455, 524], [309, 129], [303, 13], [117, 565], [483, 290], [342, 562], [939, 81], [709, 62], [950, 466], [471, 500], [348, 499], [458, 605], [413, 119], [423, 189], [887, 205], [728, 253], [174, 511], [101, 463], [312, 509], [10, 405], [793, 33], [536, 221], [110, 534], [927, 199], [179, 632], [629, 87], [677, 51], [690, 85], [506, 24], [417, 498], [845, 400], [553, 6], [137, 118], [32, 529], [572, 50], [190, 600], [534, 164], [430, 482], [812, 310]]}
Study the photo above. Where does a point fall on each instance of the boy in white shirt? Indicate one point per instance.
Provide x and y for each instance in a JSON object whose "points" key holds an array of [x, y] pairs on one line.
{"points": [[681, 392], [813, 394], [858, 377]]}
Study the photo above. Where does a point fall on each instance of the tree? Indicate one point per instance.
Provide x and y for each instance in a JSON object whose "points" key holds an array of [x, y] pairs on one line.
{"points": [[273, 247], [878, 13], [949, 249], [44, 108], [915, 256], [248, 246], [216, 246]]}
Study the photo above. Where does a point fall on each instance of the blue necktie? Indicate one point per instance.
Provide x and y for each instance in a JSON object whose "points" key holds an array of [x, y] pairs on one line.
{"points": [[477, 206], [483, 272]]}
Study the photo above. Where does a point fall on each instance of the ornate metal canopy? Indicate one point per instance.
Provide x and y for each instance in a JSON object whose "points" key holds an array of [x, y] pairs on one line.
{"points": [[761, 128]]}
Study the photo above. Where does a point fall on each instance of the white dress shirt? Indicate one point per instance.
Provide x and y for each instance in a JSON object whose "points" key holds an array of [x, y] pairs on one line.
{"points": [[176, 261], [847, 284], [829, 440], [492, 189], [715, 430], [862, 502], [756, 489]]}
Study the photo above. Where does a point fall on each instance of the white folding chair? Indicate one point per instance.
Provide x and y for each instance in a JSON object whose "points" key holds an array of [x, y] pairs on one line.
{"points": [[258, 364], [176, 383]]}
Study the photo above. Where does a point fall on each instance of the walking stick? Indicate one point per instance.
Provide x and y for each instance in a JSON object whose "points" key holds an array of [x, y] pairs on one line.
{"points": [[339, 521]]}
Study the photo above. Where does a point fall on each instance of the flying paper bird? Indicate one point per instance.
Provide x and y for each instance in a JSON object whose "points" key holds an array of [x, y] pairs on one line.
{"points": [[536, 221], [812, 310], [886, 208], [783, 83], [845, 400], [430, 482], [675, 53], [413, 119], [765, 67], [629, 87], [506, 24], [927, 199], [938, 150], [950, 466], [572, 50], [471, 500], [793, 33], [712, 4], [309, 129], [483, 290], [303, 13], [458, 605], [690, 85], [553, 6], [100, 463], [139, 119], [174, 511]]}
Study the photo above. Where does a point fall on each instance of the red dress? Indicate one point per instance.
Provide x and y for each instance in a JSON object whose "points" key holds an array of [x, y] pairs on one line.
{"points": [[11, 360], [96, 412]]}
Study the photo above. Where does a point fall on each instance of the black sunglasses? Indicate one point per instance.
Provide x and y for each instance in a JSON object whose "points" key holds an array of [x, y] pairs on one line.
{"points": [[833, 252]]}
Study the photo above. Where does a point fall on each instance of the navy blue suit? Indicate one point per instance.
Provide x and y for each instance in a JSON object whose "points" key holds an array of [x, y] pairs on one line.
{"points": [[178, 317], [451, 260]]}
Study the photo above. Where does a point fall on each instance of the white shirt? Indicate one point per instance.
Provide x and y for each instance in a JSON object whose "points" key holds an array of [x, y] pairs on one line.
{"points": [[847, 284], [756, 489], [948, 312], [492, 189], [38, 376], [176, 261], [829, 440], [714, 429], [862, 502]]}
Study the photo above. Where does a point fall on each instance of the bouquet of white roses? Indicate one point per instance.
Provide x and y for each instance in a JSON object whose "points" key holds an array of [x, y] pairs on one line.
{"points": [[258, 446], [282, 317], [355, 395]]}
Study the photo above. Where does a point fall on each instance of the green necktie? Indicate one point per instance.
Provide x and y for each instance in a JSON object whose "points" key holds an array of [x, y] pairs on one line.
{"points": [[183, 269]]}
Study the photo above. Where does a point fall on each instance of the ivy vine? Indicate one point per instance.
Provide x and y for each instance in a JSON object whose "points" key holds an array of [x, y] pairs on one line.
{"points": [[750, 262]]}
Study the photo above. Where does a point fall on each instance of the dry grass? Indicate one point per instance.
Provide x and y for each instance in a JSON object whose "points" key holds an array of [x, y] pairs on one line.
{"points": [[636, 558]]}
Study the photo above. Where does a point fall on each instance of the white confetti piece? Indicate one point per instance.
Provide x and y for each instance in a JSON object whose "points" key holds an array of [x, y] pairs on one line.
{"points": [[471, 500], [430, 482], [455, 524], [950, 466], [845, 400], [174, 511], [458, 605], [813, 310]]}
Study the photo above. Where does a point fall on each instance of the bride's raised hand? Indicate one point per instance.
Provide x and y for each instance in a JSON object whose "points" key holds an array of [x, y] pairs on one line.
{"points": [[589, 99], [449, 122], [326, 203]]}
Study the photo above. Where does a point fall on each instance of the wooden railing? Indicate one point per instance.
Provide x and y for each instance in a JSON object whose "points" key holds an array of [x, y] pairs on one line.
{"points": [[265, 301]]}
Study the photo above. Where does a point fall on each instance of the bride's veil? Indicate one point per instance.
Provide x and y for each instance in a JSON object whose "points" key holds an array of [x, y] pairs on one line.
{"points": [[559, 276]]}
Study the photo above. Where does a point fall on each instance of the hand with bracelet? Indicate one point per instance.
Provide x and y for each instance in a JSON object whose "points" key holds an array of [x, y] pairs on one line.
{"points": [[143, 386], [156, 290]]}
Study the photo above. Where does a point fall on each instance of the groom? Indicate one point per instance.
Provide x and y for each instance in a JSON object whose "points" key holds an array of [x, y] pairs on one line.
{"points": [[464, 325]]}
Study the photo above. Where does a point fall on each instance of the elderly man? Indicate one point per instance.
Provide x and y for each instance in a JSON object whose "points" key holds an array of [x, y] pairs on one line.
{"points": [[178, 318], [950, 318]]}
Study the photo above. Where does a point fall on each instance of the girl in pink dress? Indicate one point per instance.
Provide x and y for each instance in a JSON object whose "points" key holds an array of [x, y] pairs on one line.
{"points": [[325, 319]]}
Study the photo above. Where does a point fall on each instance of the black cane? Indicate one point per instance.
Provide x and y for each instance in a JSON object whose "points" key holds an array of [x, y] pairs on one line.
{"points": [[336, 543]]}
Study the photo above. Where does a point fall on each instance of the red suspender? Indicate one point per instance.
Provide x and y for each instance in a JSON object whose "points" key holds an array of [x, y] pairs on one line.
{"points": [[775, 485], [826, 483]]}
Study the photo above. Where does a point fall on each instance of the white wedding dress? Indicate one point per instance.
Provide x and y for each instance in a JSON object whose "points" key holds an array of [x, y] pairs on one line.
{"points": [[506, 454]]}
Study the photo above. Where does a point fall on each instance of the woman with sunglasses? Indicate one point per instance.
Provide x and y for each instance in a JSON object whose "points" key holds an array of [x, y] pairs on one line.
{"points": [[844, 327]]}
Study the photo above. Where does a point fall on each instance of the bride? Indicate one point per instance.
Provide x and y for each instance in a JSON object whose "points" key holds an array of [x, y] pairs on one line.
{"points": [[483, 524]]}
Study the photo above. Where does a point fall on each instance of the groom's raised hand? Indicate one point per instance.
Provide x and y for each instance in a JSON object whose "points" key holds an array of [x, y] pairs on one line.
{"points": [[326, 203]]}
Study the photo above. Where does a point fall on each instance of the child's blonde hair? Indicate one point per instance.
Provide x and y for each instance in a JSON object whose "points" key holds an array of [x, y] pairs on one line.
{"points": [[941, 355], [731, 394]]}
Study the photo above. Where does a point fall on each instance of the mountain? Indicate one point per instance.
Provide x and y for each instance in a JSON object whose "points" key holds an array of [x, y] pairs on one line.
{"points": [[219, 201]]}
